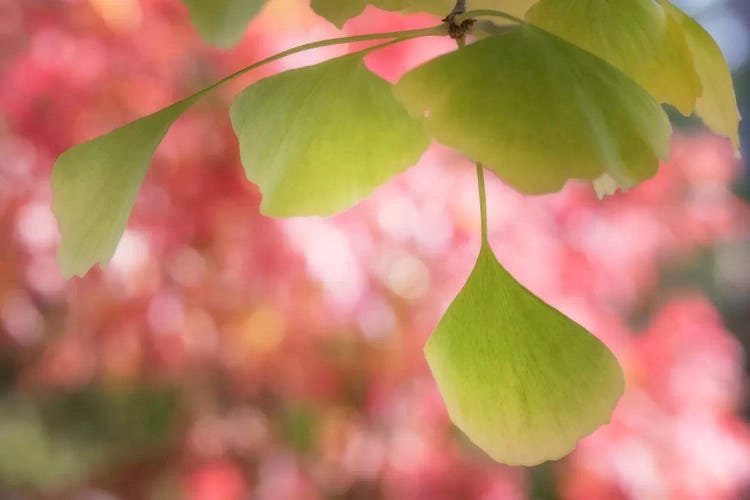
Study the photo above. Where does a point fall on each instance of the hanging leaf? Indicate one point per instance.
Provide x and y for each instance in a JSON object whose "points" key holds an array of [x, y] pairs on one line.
{"points": [[635, 36], [319, 139], [515, 8], [718, 104], [539, 111], [223, 22], [340, 11], [94, 185], [520, 379]]}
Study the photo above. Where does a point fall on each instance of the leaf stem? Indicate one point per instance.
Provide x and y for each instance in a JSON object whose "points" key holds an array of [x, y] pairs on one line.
{"points": [[461, 42], [398, 36], [459, 8], [482, 203]]}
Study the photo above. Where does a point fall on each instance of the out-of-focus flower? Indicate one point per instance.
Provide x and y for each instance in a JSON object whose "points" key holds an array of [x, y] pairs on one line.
{"points": [[295, 346]]}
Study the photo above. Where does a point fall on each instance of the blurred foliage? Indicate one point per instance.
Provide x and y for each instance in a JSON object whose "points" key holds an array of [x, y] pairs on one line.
{"points": [[224, 355], [54, 440]]}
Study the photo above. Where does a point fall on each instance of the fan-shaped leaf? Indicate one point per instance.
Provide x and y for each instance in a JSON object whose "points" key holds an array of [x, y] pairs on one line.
{"points": [[223, 22], [636, 36], [523, 381], [339, 11], [94, 185], [319, 139], [718, 104], [539, 111]]}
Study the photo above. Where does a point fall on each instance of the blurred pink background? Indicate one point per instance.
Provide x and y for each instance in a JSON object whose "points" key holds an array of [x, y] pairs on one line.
{"points": [[225, 355]]}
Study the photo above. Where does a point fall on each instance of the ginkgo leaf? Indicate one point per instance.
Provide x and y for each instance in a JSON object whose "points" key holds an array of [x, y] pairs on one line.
{"points": [[636, 36], [223, 22], [318, 139], [520, 379], [94, 185], [718, 104], [539, 111], [515, 8], [340, 11]]}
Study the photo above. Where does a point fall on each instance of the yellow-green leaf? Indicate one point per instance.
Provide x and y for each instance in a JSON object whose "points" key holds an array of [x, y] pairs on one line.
{"points": [[339, 11], [539, 111], [319, 139], [718, 104], [515, 8], [223, 22], [520, 379], [633, 35], [94, 185]]}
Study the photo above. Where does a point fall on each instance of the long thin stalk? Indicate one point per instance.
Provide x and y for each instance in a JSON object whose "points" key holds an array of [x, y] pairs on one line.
{"points": [[396, 36], [482, 203], [438, 30], [459, 8], [461, 42]]}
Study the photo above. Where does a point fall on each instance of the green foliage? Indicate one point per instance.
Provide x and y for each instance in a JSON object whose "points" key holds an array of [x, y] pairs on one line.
{"points": [[718, 104], [572, 96], [223, 22], [539, 111], [516, 8], [319, 139], [94, 186], [340, 11], [298, 425], [520, 379], [70, 436], [633, 35]]}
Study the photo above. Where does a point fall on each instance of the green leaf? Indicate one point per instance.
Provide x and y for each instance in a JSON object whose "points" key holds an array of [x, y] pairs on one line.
{"points": [[340, 11], [635, 36], [94, 185], [718, 104], [223, 22], [520, 379], [539, 111], [319, 139]]}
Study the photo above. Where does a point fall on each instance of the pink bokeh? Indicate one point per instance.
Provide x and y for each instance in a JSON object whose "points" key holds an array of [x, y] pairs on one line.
{"points": [[318, 324]]}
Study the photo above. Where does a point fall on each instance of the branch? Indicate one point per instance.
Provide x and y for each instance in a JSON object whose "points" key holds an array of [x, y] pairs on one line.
{"points": [[460, 8], [457, 31]]}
